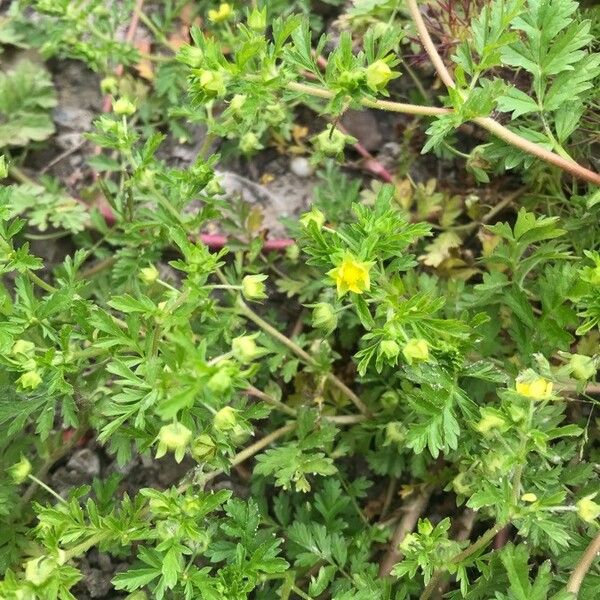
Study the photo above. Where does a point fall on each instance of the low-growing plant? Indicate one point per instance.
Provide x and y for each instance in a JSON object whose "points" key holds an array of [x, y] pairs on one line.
{"points": [[392, 407]]}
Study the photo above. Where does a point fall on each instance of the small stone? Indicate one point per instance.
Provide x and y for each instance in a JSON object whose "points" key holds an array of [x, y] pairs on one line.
{"points": [[86, 462], [301, 167]]}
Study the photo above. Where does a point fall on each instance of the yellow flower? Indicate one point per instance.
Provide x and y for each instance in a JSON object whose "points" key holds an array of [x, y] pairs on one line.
{"points": [[222, 14], [378, 75], [529, 497], [536, 388], [351, 275], [174, 437], [415, 350], [587, 509]]}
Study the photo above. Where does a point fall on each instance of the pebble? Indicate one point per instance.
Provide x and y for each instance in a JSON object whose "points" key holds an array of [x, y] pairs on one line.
{"points": [[301, 167]]}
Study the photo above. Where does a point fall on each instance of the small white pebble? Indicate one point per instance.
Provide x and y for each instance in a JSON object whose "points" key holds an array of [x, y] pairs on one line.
{"points": [[301, 167]]}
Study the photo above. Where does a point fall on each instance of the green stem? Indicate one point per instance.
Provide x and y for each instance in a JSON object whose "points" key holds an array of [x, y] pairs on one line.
{"points": [[40, 282], [46, 487], [269, 329], [479, 544]]}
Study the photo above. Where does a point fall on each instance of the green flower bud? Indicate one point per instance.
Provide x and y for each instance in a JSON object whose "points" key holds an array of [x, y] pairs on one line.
{"points": [[314, 215], [257, 19], [19, 471], [220, 382], [389, 400], [30, 380], [253, 287], [389, 348], [395, 433], [324, 317], [212, 83], [149, 274], [237, 102], [274, 114], [249, 143], [174, 438], [460, 486], [23, 349], [582, 367], [332, 141], [490, 420], [203, 448], [109, 85], [39, 570], [378, 75], [587, 509], [123, 107], [3, 167], [225, 419], [292, 252], [244, 348], [416, 350], [191, 55], [351, 79]]}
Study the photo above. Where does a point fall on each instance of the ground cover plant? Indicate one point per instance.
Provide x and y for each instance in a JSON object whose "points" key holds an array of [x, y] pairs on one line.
{"points": [[378, 381]]}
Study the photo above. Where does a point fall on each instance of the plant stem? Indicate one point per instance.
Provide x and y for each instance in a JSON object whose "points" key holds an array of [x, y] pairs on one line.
{"points": [[583, 566], [482, 542], [409, 109], [40, 282], [250, 314], [46, 487], [405, 526], [488, 123], [250, 451]]}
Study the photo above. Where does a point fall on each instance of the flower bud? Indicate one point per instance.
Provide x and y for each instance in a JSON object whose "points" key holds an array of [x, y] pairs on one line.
{"points": [[109, 85], [191, 56], [219, 382], [223, 13], [324, 317], [39, 570], [378, 75], [175, 438], [23, 349], [389, 348], [3, 167], [249, 143], [149, 274], [244, 348], [225, 419], [253, 287], [237, 102], [587, 509], [582, 367], [257, 19], [529, 497], [212, 83], [203, 448], [123, 107], [19, 471], [416, 350], [389, 400], [314, 215], [533, 386], [490, 419], [395, 433], [331, 142], [30, 380]]}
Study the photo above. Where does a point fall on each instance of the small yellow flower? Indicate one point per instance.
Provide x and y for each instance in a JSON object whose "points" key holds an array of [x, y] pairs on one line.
{"points": [[123, 107], [175, 438], [352, 275], [221, 14], [149, 274], [587, 509], [536, 388], [529, 497], [415, 350], [378, 75]]}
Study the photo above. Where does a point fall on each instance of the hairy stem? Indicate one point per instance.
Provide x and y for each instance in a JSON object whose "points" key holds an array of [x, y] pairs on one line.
{"points": [[488, 123], [338, 383], [583, 566]]}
